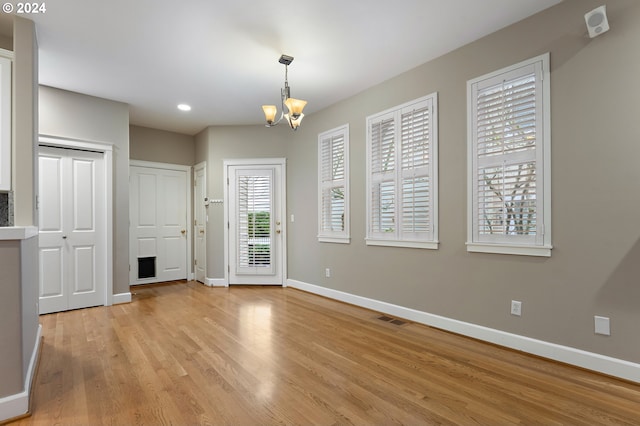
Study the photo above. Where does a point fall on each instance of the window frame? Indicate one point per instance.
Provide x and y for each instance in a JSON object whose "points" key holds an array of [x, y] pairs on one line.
{"points": [[398, 237], [540, 245], [324, 235]]}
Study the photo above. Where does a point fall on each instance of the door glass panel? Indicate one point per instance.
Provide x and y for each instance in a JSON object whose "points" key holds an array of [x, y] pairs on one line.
{"points": [[254, 221]]}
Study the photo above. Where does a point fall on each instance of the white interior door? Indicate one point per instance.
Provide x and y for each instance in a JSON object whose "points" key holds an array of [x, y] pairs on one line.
{"points": [[256, 229], [200, 222], [72, 221], [158, 217]]}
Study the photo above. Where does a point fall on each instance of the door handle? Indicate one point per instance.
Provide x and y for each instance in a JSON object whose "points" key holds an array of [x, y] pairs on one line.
{"points": [[64, 237], [202, 231]]}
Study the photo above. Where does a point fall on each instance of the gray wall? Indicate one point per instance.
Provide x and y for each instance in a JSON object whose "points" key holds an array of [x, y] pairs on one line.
{"points": [[594, 268], [25, 106], [18, 312], [216, 144], [18, 259], [10, 321], [76, 116], [161, 146]]}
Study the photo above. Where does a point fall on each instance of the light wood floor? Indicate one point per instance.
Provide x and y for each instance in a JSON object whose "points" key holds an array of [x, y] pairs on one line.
{"points": [[184, 354]]}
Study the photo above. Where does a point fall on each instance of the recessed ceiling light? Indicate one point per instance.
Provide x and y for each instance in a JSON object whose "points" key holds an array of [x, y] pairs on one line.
{"points": [[184, 107]]}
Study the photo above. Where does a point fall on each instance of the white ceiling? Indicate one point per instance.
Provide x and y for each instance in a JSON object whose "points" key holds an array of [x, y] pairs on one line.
{"points": [[221, 57]]}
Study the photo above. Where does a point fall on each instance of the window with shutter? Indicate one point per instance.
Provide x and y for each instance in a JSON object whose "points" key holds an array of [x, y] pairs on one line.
{"points": [[509, 160], [333, 182], [254, 221], [402, 175]]}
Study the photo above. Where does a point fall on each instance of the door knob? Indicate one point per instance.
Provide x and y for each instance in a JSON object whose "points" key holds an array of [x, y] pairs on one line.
{"points": [[64, 237], [202, 231], [277, 231], [184, 231]]}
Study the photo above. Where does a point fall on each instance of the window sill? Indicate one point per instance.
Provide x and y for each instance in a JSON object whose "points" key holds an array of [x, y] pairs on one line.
{"points": [[540, 251], [430, 245], [338, 240]]}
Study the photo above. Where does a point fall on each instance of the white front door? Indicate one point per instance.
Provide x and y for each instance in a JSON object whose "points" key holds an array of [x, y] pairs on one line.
{"points": [[158, 217], [255, 197], [72, 220], [200, 223]]}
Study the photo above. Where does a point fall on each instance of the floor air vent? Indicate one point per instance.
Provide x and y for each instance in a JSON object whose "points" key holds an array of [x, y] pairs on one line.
{"points": [[392, 320]]}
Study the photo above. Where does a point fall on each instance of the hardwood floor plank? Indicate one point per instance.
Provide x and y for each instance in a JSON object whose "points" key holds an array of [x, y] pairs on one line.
{"points": [[185, 354]]}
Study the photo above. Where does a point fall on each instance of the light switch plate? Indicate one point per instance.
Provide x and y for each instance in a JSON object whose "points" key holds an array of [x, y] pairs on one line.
{"points": [[602, 325]]}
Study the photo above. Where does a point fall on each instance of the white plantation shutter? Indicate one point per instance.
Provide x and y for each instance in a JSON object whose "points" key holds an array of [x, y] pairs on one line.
{"points": [[509, 158], [415, 176], [383, 205], [254, 222], [333, 185], [402, 178]]}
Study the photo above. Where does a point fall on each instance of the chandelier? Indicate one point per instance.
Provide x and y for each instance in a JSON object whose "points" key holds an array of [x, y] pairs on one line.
{"points": [[294, 113]]}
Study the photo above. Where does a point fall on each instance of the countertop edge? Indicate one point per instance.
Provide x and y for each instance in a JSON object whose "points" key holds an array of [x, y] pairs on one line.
{"points": [[17, 232]]}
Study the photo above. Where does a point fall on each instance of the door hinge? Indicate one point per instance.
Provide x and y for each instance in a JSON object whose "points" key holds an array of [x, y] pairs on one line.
{"points": [[195, 262]]}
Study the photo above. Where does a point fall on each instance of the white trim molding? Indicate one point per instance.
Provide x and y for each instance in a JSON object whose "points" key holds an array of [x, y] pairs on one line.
{"points": [[591, 361], [18, 404], [107, 151], [121, 298], [216, 282], [280, 200]]}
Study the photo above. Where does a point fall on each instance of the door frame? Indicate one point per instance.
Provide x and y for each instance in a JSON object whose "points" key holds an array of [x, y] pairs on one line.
{"points": [[106, 149], [282, 205], [203, 204], [188, 190]]}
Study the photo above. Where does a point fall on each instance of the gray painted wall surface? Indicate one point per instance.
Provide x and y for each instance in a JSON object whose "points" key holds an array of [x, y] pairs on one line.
{"points": [[161, 146], [18, 259], [216, 144], [594, 268], [72, 115], [10, 322]]}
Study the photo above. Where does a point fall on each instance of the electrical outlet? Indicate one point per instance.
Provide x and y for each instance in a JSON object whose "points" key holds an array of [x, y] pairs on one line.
{"points": [[327, 273], [602, 325], [516, 308]]}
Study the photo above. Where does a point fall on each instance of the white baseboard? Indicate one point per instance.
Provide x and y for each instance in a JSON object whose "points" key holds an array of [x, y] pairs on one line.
{"points": [[18, 404], [122, 298], [591, 361], [216, 282]]}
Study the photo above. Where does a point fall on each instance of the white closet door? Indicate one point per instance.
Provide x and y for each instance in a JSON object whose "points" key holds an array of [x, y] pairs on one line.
{"points": [[158, 233], [72, 221]]}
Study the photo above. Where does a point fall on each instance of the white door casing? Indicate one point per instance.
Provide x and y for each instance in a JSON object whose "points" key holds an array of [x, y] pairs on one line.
{"points": [[73, 223], [255, 234], [200, 222], [159, 211]]}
